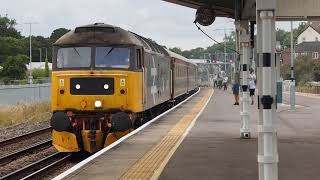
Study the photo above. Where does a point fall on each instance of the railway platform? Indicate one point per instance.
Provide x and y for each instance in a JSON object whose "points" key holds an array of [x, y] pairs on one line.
{"points": [[200, 140]]}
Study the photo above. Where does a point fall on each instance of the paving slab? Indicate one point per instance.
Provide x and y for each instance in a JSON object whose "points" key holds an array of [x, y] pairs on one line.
{"points": [[213, 149], [115, 162]]}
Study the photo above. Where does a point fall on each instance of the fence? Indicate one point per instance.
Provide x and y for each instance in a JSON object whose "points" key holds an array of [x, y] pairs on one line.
{"points": [[13, 94], [309, 89]]}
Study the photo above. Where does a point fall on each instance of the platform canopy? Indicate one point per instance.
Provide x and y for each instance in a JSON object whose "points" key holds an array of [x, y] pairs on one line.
{"points": [[246, 9], [223, 8]]}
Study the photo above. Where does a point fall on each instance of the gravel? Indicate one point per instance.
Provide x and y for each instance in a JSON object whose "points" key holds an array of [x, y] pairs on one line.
{"points": [[20, 129], [26, 160], [23, 144]]}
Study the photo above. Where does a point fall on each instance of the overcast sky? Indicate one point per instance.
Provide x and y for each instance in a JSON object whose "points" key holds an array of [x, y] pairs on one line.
{"points": [[166, 23]]}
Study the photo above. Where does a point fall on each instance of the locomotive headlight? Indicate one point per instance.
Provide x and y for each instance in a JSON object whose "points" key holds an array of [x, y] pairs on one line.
{"points": [[78, 86], [97, 104], [106, 86]]}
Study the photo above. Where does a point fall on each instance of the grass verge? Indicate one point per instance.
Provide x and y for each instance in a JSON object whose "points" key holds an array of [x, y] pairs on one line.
{"points": [[25, 112]]}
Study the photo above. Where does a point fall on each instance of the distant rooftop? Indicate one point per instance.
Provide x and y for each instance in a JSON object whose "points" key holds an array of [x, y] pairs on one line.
{"points": [[311, 46], [203, 61], [39, 65], [314, 24]]}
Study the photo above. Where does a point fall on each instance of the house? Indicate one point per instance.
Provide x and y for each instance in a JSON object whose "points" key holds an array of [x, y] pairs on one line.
{"points": [[310, 49], [311, 32], [308, 43]]}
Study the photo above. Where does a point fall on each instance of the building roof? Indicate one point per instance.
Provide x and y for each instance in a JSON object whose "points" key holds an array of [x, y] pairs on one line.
{"points": [[312, 46], [39, 65], [175, 55], [315, 25], [204, 61]]}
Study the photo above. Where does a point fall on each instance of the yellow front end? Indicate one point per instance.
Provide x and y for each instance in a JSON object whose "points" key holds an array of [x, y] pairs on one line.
{"points": [[127, 96], [129, 81]]}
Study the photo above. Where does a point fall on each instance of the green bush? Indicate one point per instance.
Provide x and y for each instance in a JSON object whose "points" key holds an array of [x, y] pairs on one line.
{"points": [[306, 69], [14, 67], [38, 73]]}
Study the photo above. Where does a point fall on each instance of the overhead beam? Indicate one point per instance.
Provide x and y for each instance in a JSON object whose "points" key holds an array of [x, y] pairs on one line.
{"points": [[297, 9], [220, 10], [285, 9]]}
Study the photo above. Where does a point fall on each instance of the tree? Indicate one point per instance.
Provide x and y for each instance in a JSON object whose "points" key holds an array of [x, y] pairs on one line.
{"points": [[38, 42], [57, 33], [15, 67], [7, 28], [11, 47], [285, 36], [176, 50]]}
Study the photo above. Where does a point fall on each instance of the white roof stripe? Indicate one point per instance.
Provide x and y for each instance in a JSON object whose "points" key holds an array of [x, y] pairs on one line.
{"points": [[178, 56]]}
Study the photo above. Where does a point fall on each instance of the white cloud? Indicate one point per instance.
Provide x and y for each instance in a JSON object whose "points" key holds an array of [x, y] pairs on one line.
{"points": [[166, 23]]}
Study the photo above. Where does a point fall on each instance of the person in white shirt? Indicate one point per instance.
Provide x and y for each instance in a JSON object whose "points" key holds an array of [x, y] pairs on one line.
{"points": [[215, 81], [252, 85], [224, 82]]}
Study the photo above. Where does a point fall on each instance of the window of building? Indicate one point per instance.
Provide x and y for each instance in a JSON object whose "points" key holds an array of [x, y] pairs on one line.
{"points": [[315, 55], [303, 39]]}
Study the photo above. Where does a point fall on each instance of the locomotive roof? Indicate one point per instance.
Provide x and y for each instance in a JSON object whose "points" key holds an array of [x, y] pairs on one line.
{"points": [[98, 33], [178, 56], [108, 35]]}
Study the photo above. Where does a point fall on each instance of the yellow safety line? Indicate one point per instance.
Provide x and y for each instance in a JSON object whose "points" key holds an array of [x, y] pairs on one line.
{"points": [[152, 163]]}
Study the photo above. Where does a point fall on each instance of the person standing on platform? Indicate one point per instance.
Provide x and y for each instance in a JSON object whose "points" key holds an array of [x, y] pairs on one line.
{"points": [[235, 87], [219, 81], [252, 85], [215, 81], [225, 83]]}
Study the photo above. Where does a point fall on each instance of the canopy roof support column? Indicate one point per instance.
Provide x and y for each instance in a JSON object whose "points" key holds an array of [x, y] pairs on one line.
{"points": [[244, 39], [267, 137]]}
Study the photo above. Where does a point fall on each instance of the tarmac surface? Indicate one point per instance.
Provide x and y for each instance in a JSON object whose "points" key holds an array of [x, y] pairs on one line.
{"points": [[212, 149]]}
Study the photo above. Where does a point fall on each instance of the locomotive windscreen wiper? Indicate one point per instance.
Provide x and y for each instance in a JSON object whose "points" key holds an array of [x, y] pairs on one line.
{"points": [[76, 51], [109, 52]]}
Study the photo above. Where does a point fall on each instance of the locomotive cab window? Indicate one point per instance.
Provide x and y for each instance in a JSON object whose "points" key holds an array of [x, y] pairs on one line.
{"points": [[112, 57], [139, 59], [74, 57]]}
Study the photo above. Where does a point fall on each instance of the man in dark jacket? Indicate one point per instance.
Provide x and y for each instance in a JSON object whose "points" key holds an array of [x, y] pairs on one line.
{"points": [[235, 87]]}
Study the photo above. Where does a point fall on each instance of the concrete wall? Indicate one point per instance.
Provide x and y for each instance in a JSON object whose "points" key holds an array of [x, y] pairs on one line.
{"points": [[11, 95]]}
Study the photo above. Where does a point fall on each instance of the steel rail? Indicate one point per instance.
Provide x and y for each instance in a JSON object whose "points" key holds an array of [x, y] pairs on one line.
{"points": [[16, 154], [24, 136], [38, 166]]}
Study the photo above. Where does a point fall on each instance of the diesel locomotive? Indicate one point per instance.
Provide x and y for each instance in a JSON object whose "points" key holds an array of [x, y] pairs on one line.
{"points": [[105, 80]]}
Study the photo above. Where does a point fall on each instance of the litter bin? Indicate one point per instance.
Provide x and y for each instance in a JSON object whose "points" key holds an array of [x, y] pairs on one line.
{"points": [[279, 91]]}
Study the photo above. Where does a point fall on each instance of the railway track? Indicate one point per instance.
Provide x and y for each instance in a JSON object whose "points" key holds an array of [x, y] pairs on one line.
{"points": [[24, 136], [27, 150], [38, 168]]}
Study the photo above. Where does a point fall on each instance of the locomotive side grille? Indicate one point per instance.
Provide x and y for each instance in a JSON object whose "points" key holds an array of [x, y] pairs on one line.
{"points": [[91, 86]]}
